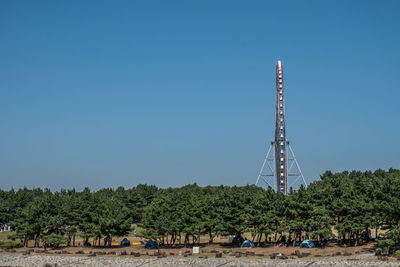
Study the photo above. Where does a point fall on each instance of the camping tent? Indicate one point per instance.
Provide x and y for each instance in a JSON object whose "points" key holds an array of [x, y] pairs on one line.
{"points": [[150, 245], [125, 242], [247, 244], [307, 244]]}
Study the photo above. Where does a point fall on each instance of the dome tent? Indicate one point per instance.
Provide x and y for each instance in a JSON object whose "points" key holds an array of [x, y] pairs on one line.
{"points": [[307, 244], [247, 244], [150, 245], [125, 243]]}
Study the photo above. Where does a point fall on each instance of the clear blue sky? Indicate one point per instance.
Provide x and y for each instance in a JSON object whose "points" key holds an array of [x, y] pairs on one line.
{"points": [[110, 93]]}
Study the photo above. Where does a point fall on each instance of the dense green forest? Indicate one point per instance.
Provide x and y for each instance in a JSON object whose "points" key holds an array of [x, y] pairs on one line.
{"points": [[337, 207]]}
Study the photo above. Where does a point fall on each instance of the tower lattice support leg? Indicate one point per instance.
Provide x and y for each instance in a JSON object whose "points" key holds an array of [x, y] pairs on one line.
{"points": [[297, 174], [267, 162]]}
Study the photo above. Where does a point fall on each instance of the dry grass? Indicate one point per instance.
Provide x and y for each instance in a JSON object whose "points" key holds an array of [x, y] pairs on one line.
{"points": [[4, 236]]}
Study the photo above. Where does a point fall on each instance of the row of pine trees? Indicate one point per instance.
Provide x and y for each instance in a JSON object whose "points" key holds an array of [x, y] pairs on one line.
{"points": [[339, 206]]}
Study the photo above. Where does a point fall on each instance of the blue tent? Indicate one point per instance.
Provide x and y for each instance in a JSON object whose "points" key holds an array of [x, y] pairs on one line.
{"points": [[150, 245], [125, 243], [247, 244], [307, 244]]}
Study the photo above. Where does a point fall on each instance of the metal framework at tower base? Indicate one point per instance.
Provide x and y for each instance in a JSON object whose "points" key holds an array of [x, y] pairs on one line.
{"points": [[269, 175]]}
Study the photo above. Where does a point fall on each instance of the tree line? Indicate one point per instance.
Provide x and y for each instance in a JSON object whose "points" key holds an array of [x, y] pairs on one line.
{"points": [[58, 218], [340, 206]]}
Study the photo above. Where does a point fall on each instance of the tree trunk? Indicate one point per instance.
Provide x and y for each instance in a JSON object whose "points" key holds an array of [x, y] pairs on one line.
{"points": [[199, 237], [259, 239], [356, 238], [294, 240], [35, 242]]}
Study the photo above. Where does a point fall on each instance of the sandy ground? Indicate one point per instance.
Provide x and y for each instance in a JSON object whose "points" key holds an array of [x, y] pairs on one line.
{"points": [[330, 250], [332, 255]]}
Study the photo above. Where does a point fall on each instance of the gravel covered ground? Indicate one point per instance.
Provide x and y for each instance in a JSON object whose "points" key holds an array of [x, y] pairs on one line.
{"points": [[66, 260]]}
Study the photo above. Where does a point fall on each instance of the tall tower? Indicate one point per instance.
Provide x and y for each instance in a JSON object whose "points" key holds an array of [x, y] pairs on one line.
{"points": [[280, 163], [280, 137]]}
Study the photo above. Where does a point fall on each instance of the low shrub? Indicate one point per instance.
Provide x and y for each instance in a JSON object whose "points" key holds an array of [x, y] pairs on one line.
{"points": [[391, 244], [10, 244], [55, 240]]}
